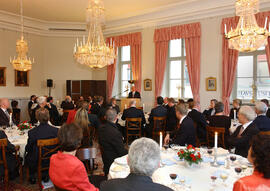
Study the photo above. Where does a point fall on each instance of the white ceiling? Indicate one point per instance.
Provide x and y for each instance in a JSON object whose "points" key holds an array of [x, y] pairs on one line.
{"points": [[74, 10]]}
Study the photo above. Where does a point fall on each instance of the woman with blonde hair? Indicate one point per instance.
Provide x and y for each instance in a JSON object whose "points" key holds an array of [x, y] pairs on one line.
{"points": [[81, 119]]}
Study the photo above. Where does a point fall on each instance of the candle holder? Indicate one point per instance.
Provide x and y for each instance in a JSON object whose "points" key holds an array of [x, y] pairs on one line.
{"points": [[214, 163]]}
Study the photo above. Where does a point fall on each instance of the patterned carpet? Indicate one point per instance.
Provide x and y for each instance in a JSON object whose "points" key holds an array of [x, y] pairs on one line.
{"points": [[16, 186]]}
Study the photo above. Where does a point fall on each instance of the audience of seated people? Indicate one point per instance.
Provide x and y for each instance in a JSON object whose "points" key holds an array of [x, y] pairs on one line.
{"points": [[16, 112], [259, 157], [185, 134], [262, 121], [267, 104], [66, 171], [236, 106], [199, 120], [43, 131], [143, 159], [211, 109], [171, 116], [240, 139], [5, 113], [220, 120], [67, 104], [110, 140]]}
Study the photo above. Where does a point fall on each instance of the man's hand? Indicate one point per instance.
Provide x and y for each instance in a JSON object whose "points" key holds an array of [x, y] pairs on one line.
{"points": [[167, 139]]}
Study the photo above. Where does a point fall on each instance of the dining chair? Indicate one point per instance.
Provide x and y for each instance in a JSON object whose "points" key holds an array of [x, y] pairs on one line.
{"points": [[158, 126], [198, 141], [211, 134], [133, 128], [87, 156], [265, 132]]}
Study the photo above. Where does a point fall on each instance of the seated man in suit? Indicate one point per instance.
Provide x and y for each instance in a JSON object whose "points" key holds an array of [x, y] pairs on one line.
{"points": [[236, 106], [134, 93], [268, 109], [211, 109], [4, 113], [262, 121], [30, 103], [242, 136], [11, 159], [54, 114], [171, 116], [159, 111], [97, 109], [198, 119], [43, 131], [143, 160], [41, 103], [186, 133], [67, 104], [110, 140]]}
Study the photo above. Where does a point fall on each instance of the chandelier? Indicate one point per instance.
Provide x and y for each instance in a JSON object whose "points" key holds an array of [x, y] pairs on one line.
{"points": [[94, 52], [22, 62], [247, 36]]}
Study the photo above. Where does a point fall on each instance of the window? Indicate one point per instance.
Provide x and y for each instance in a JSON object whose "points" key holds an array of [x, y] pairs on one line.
{"points": [[252, 69], [176, 81], [125, 71]]}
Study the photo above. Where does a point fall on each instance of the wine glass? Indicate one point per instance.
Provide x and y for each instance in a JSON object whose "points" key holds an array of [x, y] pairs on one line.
{"points": [[233, 158], [173, 176], [224, 177], [213, 178], [244, 167], [238, 170]]}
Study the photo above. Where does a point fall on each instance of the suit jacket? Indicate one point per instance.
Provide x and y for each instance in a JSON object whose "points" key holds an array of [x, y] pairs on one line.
{"points": [[201, 123], [4, 120], [132, 182], [262, 122], [94, 122], [11, 159], [207, 113], [232, 113], [171, 119], [242, 143], [158, 111], [133, 112], [54, 114], [136, 95], [111, 142], [185, 134], [30, 103], [116, 108], [268, 113], [43, 131], [67, 105]]}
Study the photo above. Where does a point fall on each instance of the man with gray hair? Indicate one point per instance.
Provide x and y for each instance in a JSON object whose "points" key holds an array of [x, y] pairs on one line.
{"points": [[41, 103], [143, 160], [185, 133], [4, 113], [110, 140], [243, 134], [262, 121]]}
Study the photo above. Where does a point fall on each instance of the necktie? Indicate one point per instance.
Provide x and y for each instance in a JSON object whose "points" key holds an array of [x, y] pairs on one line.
{"points": [[241, 131]]}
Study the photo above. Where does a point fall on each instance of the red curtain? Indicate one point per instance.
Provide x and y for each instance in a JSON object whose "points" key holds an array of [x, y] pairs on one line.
{"points": [[191, 33], [134, 40]]}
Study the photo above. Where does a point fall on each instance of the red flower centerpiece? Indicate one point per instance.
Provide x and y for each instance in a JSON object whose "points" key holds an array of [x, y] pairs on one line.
{"points": [[190, 155], [24, 126]]}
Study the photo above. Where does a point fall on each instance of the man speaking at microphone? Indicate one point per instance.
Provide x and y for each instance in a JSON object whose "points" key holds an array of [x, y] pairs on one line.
{"points": [[134, 93]]}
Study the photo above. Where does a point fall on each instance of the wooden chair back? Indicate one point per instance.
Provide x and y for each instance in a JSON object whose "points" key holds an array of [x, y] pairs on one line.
{"points": [[211, 134], [45, 150], [133, 128], [3, 161], [198, 141], [87, 155], [265, 132], [159, 126]]}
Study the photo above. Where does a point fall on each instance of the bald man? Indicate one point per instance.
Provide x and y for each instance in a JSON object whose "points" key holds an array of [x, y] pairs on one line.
{"points": [[4, 114]]}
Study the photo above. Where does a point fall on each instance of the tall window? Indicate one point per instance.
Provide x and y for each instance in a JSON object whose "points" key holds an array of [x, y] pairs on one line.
{"points": [[252, 69], [176, 78], [125, 70]]}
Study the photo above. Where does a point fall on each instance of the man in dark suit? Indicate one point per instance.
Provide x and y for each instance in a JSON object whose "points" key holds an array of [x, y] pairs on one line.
{"points": [[110, 140], [143, 160], [4, 114], [133, 112], [242, 136], [30, 103], [199, 119], [134, 93], [43, 131], [11, 159], [211, 109], [54, 114], [97, 109], [171, 116], [236, 106], [268, 109], [262, 121], [41, 103], [67, 104], [185, 134]]}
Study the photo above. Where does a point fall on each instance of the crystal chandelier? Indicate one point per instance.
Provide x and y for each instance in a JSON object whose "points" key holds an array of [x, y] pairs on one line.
{"points": [[22, 62], [94, 52], [247, 36]]}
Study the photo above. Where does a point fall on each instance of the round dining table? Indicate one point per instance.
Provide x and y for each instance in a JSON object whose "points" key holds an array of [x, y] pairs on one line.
{"points": [[196, 178]]}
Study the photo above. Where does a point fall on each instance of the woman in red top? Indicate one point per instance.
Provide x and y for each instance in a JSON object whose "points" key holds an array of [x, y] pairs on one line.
{"points": [[66, 170], [259, 156]]}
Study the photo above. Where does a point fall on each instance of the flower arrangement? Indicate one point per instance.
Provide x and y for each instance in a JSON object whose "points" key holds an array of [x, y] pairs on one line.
{"points": [[24, 126], [190, 155]]}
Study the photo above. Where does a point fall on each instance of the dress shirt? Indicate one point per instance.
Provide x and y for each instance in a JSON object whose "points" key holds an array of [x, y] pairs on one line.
{"points": [[246, 125], [181, 120]]}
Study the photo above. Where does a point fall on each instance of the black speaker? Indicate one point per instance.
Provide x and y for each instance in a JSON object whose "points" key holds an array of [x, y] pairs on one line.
{"points": [[49, 83]]}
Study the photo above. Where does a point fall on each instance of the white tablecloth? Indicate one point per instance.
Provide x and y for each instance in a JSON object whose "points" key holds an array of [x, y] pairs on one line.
{"points": [[123, 122], [196, 178]]}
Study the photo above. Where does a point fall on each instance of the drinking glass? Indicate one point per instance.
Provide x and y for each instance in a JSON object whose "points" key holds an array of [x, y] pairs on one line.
{"points": [[213, 178], [233, 158], [238, 170], [224, 177]]}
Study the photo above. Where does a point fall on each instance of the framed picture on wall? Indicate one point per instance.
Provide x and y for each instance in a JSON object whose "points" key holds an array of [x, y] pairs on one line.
{"points": [[21, 78], [2, 76], [147, 85], [211, 84]]}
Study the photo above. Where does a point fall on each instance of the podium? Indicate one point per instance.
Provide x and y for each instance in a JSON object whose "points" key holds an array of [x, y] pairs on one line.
{"points": [[126, 101]]}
